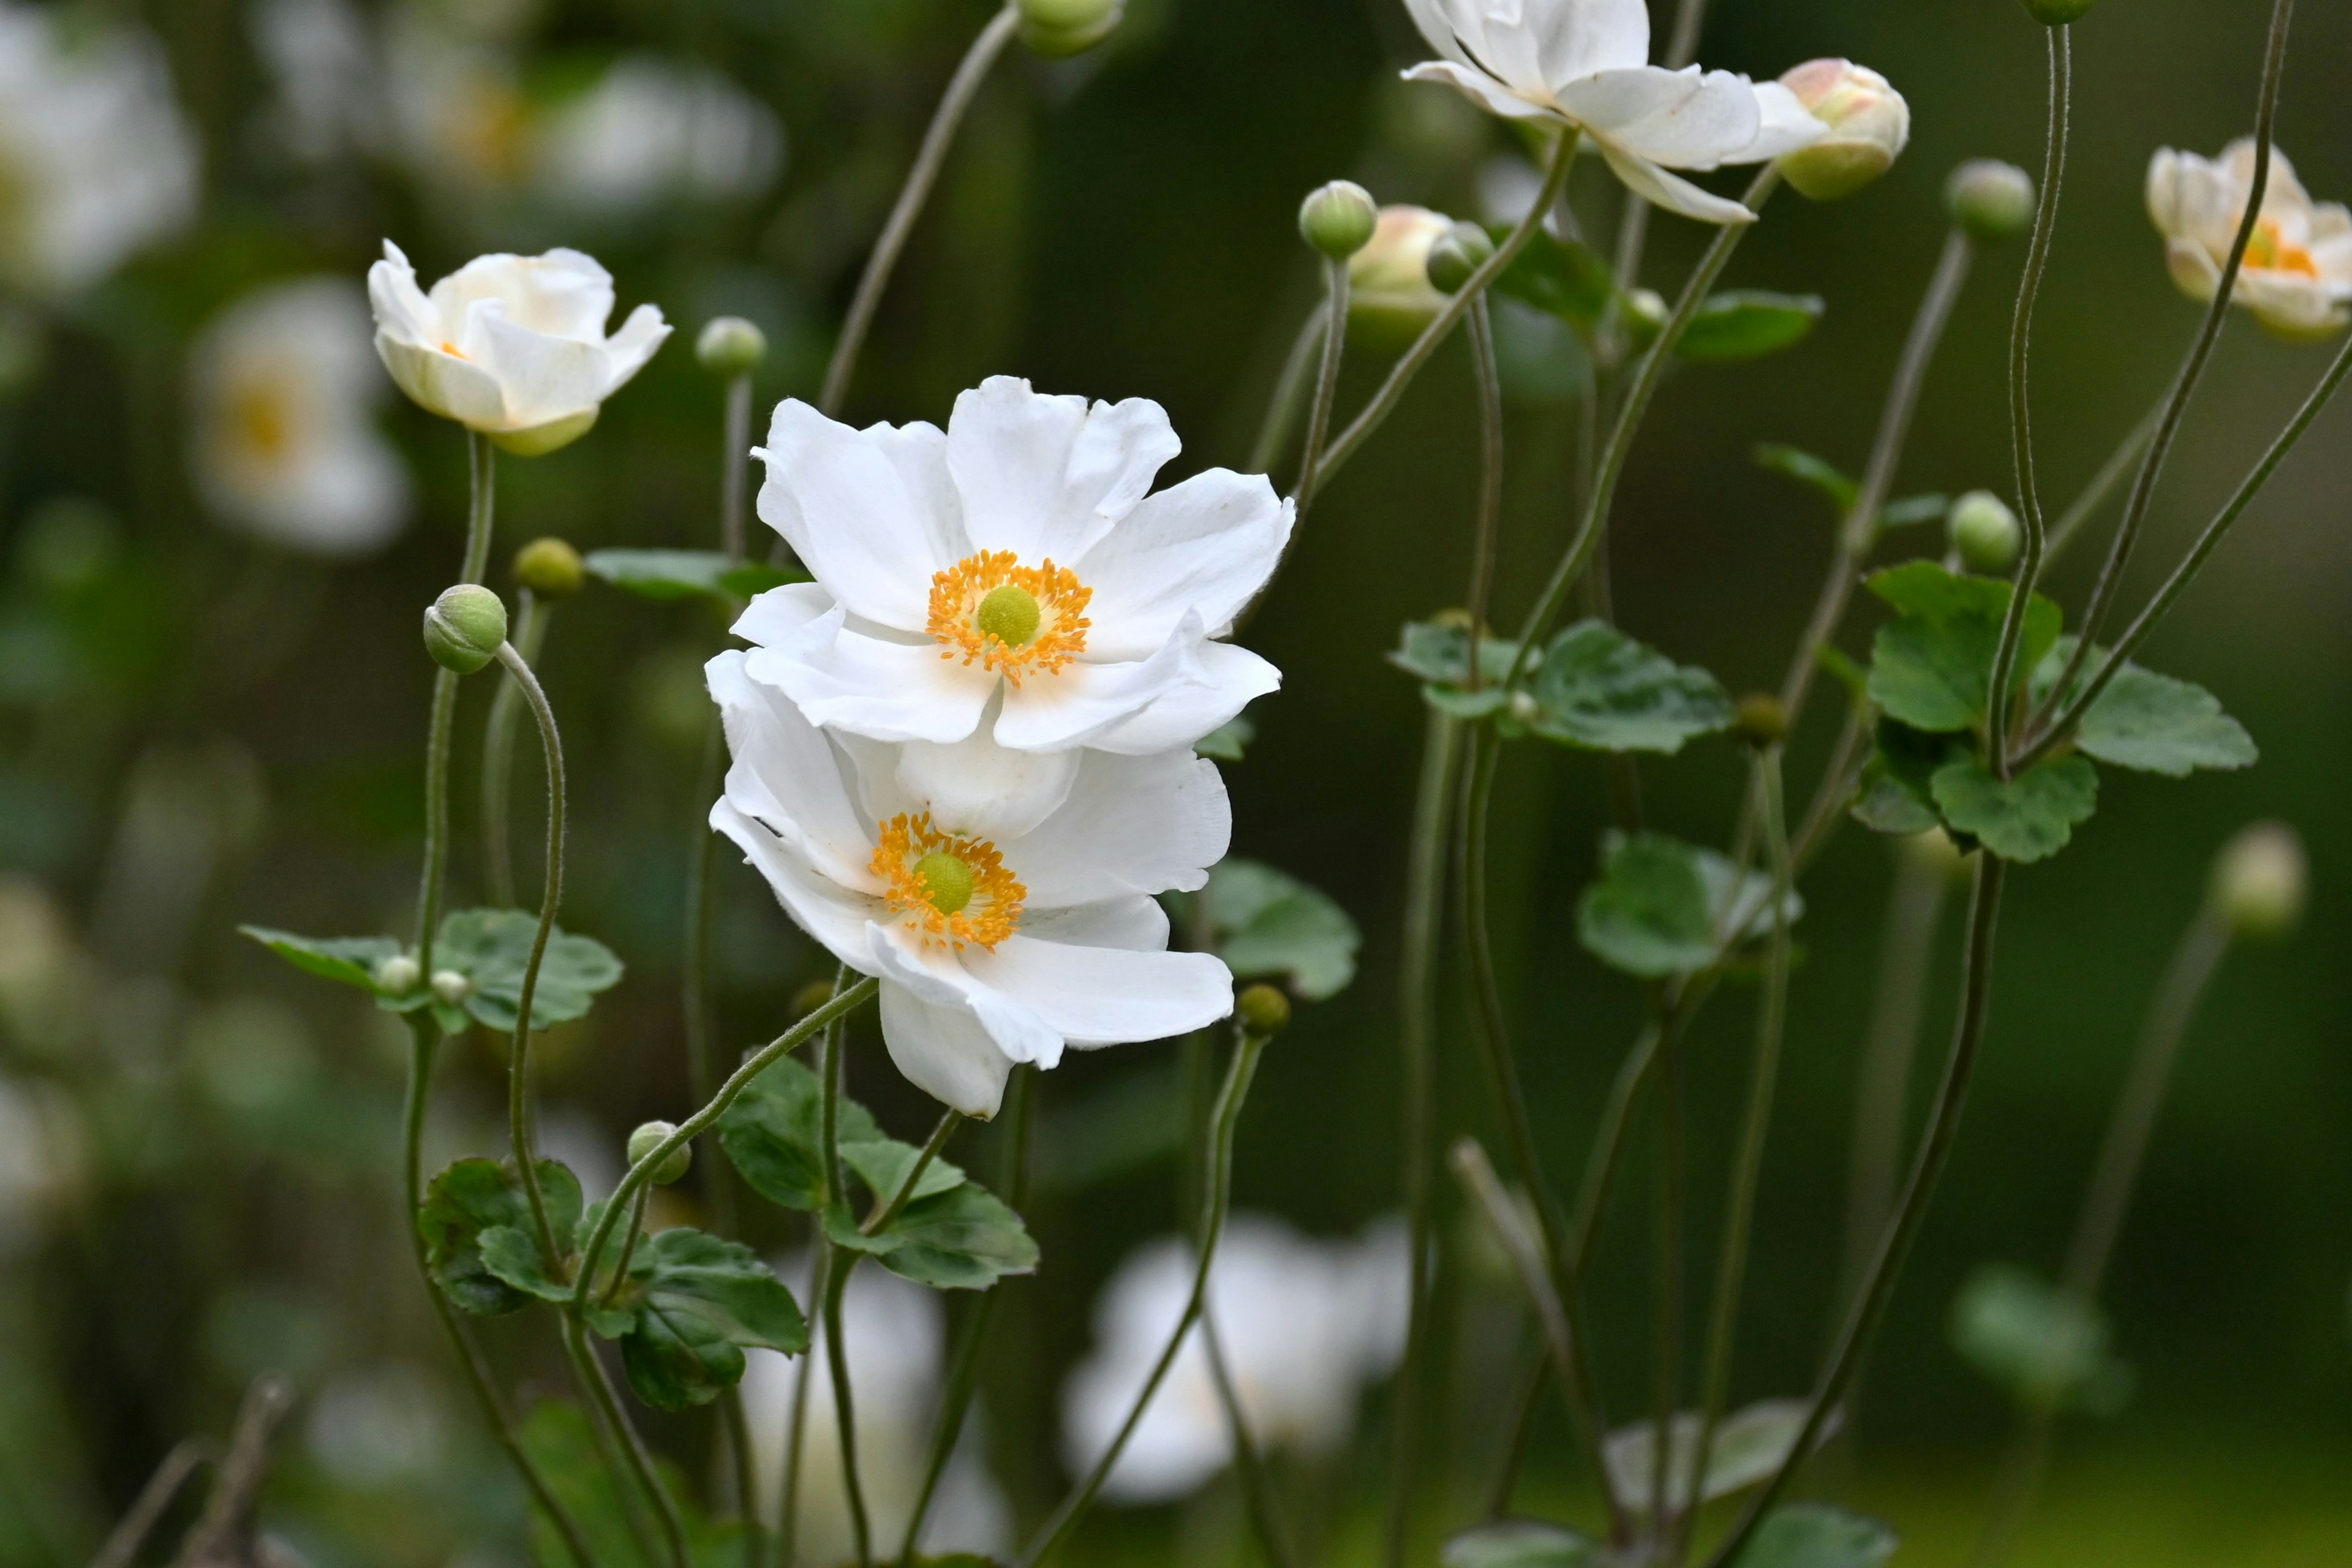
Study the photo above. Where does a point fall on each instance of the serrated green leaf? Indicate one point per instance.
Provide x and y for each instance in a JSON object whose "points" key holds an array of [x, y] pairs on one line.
{"points": [[1520, 1543], [345, 960], [1599, 689], [1268, 924], [697, 1302], [2152, 723], [1898, 792], [474, 1198], [1815, 1536], [1841, 489], [882, 1163], [2029, 818], [1743, 324], [1660, 904], [1562, 278], [1749, 1445], [492, 947], [686, 573], [1932, 666], [1438, 653], [675, 1362], [2048, 1350], [773, 1134], [1228, 742], [964, 1239]]}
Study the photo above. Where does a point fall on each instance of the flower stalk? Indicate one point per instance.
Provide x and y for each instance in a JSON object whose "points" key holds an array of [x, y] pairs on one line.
{"points": [[519, 1052]]}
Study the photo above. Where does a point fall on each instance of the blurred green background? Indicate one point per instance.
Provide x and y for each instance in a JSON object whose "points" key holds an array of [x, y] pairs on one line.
{"points": [[198, 729]]}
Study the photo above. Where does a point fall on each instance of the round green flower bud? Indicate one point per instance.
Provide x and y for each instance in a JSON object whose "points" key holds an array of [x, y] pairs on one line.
{"points": [[398, 975], [1460, 251], [1986, 534], [731, 346], [1264, 1010], [550, 568], [1338, 219], [1524, 708], [1058, 28], [2261, 882], [1761, 721], [1992, 200], [651, 1136], [451, 989], [2058, 13], [1869, 124], [465, 628], [811, 996]]}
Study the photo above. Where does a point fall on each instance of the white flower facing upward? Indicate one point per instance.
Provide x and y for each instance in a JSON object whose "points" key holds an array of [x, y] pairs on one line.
{"points": [[1585, 64], [285, 444], [512, 346], [1013, 569], [1304, 1327], [1003, 899], [2297, 276]]}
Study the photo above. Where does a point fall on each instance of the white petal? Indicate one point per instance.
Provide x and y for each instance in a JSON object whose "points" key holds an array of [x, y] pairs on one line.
{"points": [[1785, 126], [1137, 923], [1108, 996], [1231, 678], [939, 976], [443, 384], [888, 690], [944, 1052], [787, 775], [976, 787], [543, 378], [2194, 269], [1132, 825], [834, 917], [1048, 712], [1582, 40], [1046, 477], [1206, 545], [842, 501], [401, 310], [1482, 90], [632, 346], [1672, 192], [777, 614], [563, 293], [1683, 120]]}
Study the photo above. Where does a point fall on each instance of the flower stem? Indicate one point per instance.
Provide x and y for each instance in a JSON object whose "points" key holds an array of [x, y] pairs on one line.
{"points": [[482, 492], [629, 1243], [519, 1051], [1490, 479], [632, 1446], [734, 471], [796, 1420], [498, 755], [887, 1215], [1327, 384], [1476, 1175], [1249, 1461], [1666, 1293], [961, 88], [1282, 409], [698, 1007], [836, 1353]]}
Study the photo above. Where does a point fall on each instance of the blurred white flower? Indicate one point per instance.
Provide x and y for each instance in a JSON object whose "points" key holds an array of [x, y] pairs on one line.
{"points": [[512, 346], [653, 131], [322, 61], [895, 1334], [43, 1158], [378, 1426], [43, 972], [2297, 276], [459, 120], [1304, 1325], [285, 443], [95, 160], [1585, 63]]}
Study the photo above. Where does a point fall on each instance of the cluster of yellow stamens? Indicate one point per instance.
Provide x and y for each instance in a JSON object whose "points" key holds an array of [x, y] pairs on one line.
{"points": [[2268, 251], [1014, 620], [954, 890]]}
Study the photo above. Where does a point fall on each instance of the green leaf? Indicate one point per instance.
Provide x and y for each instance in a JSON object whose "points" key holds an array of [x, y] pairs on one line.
{"points": [[1227, 741], [345, 960], [1931, 667], [1439, 652], [1805, 468], [1749, 1445], [1268, 925], [1744, 324], [688, 574], [1660, 902], [882, 1163], [2047, 1350], [1561, 277], [1519, 1544], [697, 1302], [773, 1133], [1898, 792], [1815, 1536], [963, 1239], [492, 947], [561, 1441], [1600, 689], [1912, 510], [2029, 818], [476, 1197], [2152, 723]]}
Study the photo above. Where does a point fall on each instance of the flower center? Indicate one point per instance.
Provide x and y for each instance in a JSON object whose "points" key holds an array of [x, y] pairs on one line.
{"points": [[262, 420], [953, 890], [2269, 251], [1012, 619]]}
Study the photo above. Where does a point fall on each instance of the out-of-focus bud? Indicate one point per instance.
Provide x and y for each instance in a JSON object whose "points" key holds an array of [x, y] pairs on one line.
{"points": [[731, 346], [1760, 720], [398, 975], [1524, 709], [1869, 127], [465, 627], [1992, 200], [1338, 219], [451, 989], [2261, 882], [1264, 1010], [811, 996], [1934, 850], [651, 1136], [1986, 534], [1457, 254], [1390, 299], [2058, 13], [550, 568], [1057, 28]]}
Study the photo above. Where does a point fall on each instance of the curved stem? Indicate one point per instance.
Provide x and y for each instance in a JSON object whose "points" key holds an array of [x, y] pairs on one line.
{"points": [[845, 1413], [483, 491], [1282, 409], [1666, 1294], [1249, 1460], [698, 1006], [124, 1541], [945, 121], [796, 1420], [519, 1050], [633, 1447], [1476, 1173], [1327, 385], [498, 755], [1487, 538], [629, 1243], [481, 504], [887, 1215]]}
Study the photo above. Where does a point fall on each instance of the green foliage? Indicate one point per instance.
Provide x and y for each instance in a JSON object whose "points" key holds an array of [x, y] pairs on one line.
{"points": [[1438, 653], [1599, 689], [1228, 742], [1898, 792], [489, 947], [1519, 1544], [1659, 903], [774, 1135], [2148, 723], [1931, 667], [345, 960], [688, 574], [695, 1303], [1913, 510], [1268, 924], [1841, 489], [2045, 1349], [465, 1208], [965, 1239], [1815, 1536], [2029, 818], [1749, 1444], [1743, 324], [561, 1439]]}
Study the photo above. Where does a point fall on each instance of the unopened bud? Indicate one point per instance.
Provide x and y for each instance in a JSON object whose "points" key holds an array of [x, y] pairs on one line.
{"points": [[1869, 127], [731, 346], [1646, 313], [651, 1136], [465, 627], [1264, 1010], [1338, 219], [1057, 28], [398, 975], [1760, 720], [1457, 253], [1986, 534], [451, 989], [2260, 881], [2058, 13], [812, 996], [1388, 297], [1990, 200], [550, 568], [1524, 709]]}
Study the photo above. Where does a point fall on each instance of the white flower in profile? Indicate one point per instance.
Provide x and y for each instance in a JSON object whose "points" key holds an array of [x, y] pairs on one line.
{"points": [[893, 1333], [1585, 64], [2297, 276], [284, 446], [512, 346], [652, 130], [1004, 899], [95, 160], [1304, 1327], [1012, 570]]}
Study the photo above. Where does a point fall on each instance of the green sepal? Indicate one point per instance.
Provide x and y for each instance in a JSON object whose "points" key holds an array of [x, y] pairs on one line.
{"points": [[1741, 324], [962, 1239], [2046, 1350], [1521, 1543], [1599, 689], [2030, 817], [491, 948], [474, 1198], [1659, 903], [688, 574], [1841, 488], [1815, 1536], [1931, 667], [1228, 742], [1268, 925], [2148, 723]]}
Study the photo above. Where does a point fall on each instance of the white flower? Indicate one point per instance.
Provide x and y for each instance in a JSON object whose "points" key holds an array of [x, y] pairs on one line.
{"points": [[1015, 554], [457, 113], [1585, 63], [323, 64], [512, 346], [95, 161], [2297, 276], [1004, 898], [651, 129], [285, 447], [893, 1333], [44, 1158], [1304, 1327]]}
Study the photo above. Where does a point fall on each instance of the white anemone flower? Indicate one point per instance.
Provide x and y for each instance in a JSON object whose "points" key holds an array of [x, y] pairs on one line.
{"points": [[512, 346], [95, 159], [1304, 1327], [1004, 899], [1013, 568], [285, 444], [1585, 64], [650, 131], [2297, 276], [894, 1334]]}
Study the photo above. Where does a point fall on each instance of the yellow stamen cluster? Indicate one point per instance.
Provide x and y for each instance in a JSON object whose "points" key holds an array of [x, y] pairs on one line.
{"points": [[955, 892], [2268, 251], [1014, 620]]}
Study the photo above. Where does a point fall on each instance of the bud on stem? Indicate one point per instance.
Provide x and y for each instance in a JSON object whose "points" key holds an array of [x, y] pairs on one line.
{"points": [[465, 627]]}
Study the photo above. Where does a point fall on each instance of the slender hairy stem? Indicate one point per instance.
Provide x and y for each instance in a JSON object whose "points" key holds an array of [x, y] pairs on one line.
{"points": [[1666, 1293], [2020, 400], [1424, 897], [887, 1215], [2119, 463], [740, 1461], [796, 1420], [1505, 1484], [698, 1006], [735, 466], [1282, 409], [498, 755], [836, 1353], [445, 711], [481, 504], [1926, 1171], [1326, 385], [124, 1541], [1249, 1460], [640, 1461], [1213, 1223], [519, 1051], [1525, 1251], [963, 87], [629, 1243], [1487, 539]]}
